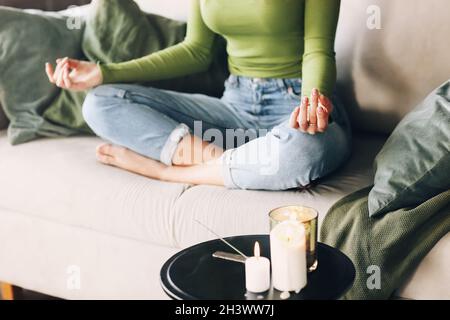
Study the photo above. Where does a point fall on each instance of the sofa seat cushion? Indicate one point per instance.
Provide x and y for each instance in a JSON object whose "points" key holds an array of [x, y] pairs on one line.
{"points": [[234, 212], [60, 180]]}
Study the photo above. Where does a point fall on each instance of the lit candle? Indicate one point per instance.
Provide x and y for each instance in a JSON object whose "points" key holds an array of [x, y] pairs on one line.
{"points": [[288, 256], [257, 272]]}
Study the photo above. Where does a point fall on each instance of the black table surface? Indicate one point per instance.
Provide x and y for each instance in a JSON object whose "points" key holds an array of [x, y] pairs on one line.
{"points": [[194, 274]]}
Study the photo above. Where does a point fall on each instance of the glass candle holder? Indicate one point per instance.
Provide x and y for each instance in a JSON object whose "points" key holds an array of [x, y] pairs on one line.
{"points": [[308, 217]]}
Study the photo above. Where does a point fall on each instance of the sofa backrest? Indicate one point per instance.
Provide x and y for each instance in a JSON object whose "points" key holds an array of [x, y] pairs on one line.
{"points": [[175, 9], [50, 5], [384, 73]]}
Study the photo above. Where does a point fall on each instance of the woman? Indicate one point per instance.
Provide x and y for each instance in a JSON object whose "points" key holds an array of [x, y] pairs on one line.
{"points": [[278, 51]]}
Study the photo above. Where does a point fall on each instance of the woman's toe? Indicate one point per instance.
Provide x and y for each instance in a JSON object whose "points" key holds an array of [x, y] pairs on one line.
{"points": [[105, 149], [105, 154], [105, 159], [114, 155]]}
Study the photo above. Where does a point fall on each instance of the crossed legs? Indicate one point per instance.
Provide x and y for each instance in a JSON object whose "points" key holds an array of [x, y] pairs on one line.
{"points": [[150, 134], [186, 167]]}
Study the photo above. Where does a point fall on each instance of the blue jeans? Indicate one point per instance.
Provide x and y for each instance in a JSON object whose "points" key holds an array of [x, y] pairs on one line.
{"points": [[250, 121]]}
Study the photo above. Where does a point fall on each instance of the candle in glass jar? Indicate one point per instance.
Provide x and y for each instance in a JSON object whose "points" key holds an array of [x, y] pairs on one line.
{"points": [[288, 256], [257, 272]]}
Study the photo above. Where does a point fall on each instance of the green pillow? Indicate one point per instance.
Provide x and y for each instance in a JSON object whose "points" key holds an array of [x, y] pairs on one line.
{"points": [[27, 40], [414, 164]]}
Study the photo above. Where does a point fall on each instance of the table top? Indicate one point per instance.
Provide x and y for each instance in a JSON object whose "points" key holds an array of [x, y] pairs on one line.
{"points": [[194, 274]]}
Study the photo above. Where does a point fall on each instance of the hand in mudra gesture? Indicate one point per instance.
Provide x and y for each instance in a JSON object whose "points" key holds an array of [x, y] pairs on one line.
{"points": [[312, 116], [74, 74]]}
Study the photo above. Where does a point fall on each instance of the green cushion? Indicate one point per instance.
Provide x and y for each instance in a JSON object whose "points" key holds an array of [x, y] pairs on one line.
{"points": [[27, 41], [414, 164]]}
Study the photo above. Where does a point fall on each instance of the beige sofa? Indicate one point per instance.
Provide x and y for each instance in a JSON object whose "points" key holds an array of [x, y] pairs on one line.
{"points": [[72, 228]]}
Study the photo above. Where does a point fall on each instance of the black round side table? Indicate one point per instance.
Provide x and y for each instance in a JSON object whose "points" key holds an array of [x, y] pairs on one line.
{"points": [[194, 274]]}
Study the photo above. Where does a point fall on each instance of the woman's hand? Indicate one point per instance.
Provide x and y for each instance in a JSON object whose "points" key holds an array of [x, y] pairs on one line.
{"points": [[313, 114], [74, 75]]}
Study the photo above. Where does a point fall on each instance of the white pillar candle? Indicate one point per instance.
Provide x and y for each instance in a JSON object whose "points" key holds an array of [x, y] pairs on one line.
{"points": [[257, 272], [288, 256]]}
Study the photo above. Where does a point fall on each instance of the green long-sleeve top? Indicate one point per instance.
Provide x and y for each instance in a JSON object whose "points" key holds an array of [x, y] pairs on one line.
{"points": [[265, 39]]}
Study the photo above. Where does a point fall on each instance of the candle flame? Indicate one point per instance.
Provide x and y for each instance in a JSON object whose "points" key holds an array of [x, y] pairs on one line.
{"points": [[257, 250]]}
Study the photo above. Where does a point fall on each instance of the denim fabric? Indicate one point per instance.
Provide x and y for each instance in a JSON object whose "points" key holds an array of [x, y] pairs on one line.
{"points": [[250, 121]]}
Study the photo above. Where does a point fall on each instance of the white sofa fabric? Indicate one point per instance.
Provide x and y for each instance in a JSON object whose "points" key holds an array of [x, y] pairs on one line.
{"points": [[384, 73], [83, 193], [60, 208]]}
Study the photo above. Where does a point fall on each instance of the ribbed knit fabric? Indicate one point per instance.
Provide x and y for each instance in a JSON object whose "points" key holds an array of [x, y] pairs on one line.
{"points": [[395, 242]]}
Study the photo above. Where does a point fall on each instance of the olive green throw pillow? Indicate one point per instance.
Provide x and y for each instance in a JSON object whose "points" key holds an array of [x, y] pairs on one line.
{"points": [[27, 40], [414, 164]]}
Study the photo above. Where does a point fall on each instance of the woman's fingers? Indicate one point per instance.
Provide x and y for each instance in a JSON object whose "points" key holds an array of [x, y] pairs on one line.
{"points": [[305, 120], [303, 115], [59, 65], [49, 71], [325, 102], [66, 78], [73, 64], [293, 123], [322, 119], [61, 75], [58, 76], [312, 128], [60, 79]]}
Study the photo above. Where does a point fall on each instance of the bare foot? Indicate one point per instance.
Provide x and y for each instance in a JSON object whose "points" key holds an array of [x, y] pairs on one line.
{"points": [[129, 160]]}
